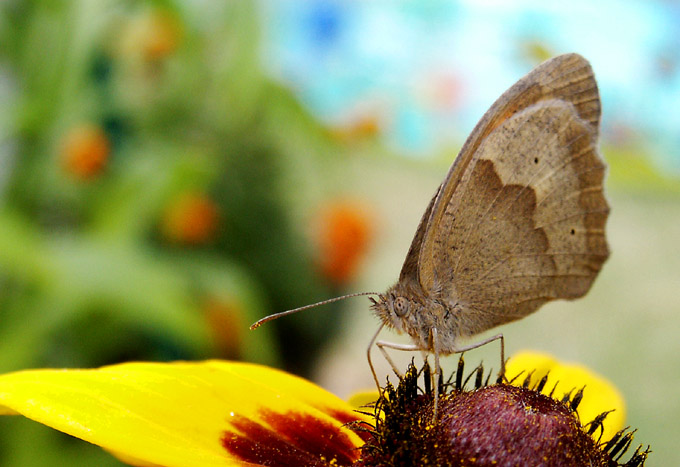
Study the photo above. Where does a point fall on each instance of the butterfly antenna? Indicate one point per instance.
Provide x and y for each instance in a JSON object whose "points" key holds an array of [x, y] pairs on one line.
{"points": [[260, 322]]}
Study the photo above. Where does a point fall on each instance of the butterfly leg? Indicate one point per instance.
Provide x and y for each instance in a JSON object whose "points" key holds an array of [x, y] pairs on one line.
{"points": [[368, 356], [484, 342], [382, 345], [437, 369]]}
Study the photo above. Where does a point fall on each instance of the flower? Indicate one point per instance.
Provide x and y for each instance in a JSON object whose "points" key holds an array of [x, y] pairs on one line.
{"points": [[344, 234], [191, 218], [601, 395], [212, 413], [226, 413], [85, 151], [500, 424]]}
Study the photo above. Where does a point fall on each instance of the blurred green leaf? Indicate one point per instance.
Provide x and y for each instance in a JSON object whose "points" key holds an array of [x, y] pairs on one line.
{"points": [[177, 98], [631, 169]]}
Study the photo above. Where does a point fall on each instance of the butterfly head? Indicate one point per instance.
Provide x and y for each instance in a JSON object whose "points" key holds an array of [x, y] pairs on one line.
{"points": [[392, 309]]}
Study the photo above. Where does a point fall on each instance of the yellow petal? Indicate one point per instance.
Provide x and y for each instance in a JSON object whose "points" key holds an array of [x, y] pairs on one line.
{"points": [[210, 413], [363, 400], [599, 394]]}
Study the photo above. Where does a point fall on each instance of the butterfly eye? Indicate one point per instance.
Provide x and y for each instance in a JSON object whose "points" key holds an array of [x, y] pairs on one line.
{"points": [[400, 306]]}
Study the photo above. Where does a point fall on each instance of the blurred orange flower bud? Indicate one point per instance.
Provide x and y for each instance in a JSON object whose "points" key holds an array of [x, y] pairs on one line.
{"points": [[226, 321], [361, 128], [85, 151], [344, 234], [191, 218], [161, 36], [151, 35]]}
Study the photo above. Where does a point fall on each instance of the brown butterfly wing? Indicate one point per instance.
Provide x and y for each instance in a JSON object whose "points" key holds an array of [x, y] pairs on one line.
{"points": [[520, 218], [564, 75], [409, 271]]}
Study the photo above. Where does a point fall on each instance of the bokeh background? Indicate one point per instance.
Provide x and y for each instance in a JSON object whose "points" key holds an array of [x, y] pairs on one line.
{"points": [[172, 171]]}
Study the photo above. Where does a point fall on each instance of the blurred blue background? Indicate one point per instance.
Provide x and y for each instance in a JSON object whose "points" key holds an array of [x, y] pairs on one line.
{"points": [[172, 171], [426, 71]]}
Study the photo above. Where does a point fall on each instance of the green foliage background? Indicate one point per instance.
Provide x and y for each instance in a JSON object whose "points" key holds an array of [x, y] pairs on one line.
{"points": [[86, 276]]}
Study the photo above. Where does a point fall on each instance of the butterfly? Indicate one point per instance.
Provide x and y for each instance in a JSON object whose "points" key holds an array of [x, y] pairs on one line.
{"points": [[518, 221]]}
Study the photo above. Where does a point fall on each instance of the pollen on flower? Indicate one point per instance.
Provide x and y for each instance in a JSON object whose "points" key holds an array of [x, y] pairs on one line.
{"points": [[598, 396], [85, 151], [344, 234]]}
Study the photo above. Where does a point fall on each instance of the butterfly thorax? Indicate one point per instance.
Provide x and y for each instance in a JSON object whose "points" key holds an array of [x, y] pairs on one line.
{"points": [[406, 309]]}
